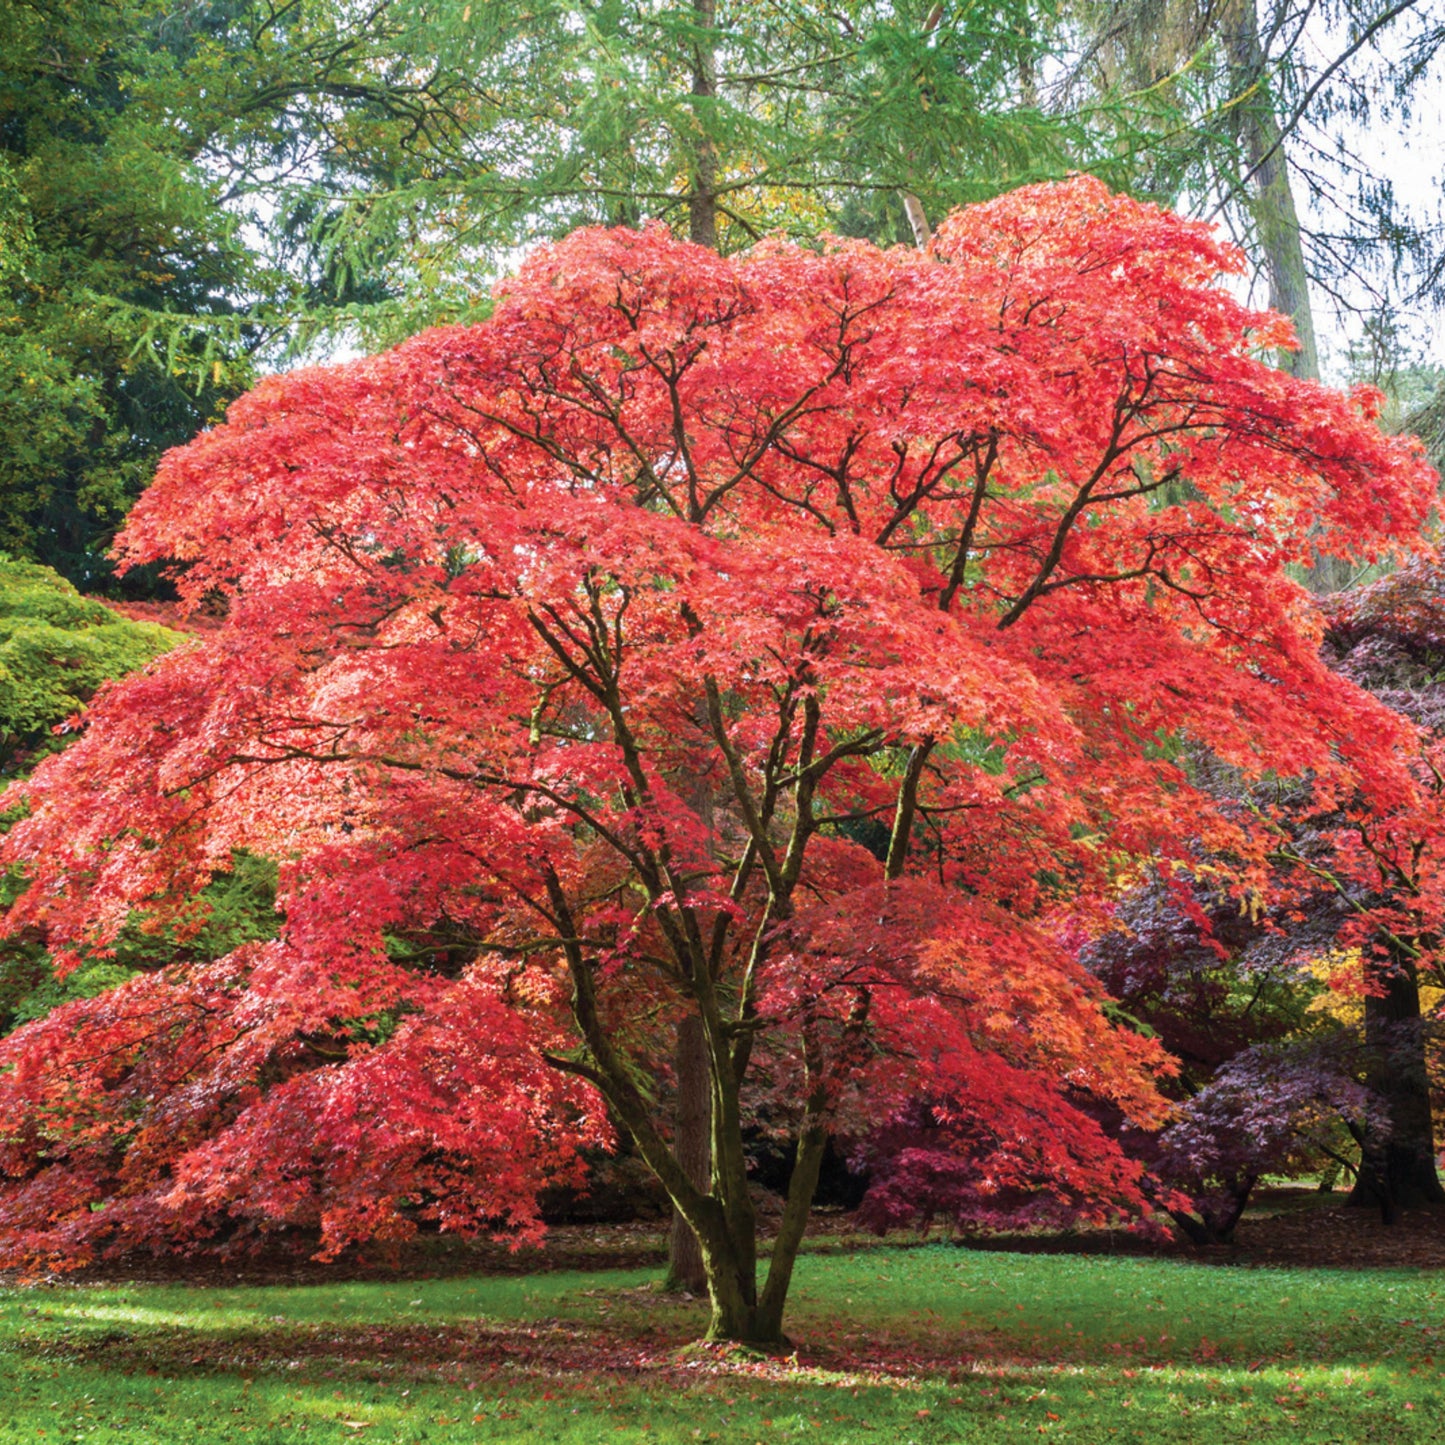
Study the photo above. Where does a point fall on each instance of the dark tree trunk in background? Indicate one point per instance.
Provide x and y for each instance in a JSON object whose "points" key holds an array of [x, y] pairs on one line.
{"points": [[1215, 1220], [1397, 1168]]}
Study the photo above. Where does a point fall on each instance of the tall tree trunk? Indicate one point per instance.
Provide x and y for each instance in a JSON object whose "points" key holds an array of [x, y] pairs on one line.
{"points": [[1272, 196], [702, 197], [1397, 1168], [912, 206], [1276, 221], [692, 1131], [692, 1128]]}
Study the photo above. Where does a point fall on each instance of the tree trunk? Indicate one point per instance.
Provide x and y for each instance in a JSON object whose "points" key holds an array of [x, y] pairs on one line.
{"points": [[733, 1292], [1397, 1167], [702, 199], [917, 219], [740, 1314], [1277, 224], [912, 206], [692, 1128], [692, 1145], [1272, 203]]}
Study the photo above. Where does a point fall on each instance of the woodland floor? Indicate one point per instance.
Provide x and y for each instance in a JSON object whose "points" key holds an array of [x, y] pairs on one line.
{"points": [[1289, 1228], [1316, 1231]]}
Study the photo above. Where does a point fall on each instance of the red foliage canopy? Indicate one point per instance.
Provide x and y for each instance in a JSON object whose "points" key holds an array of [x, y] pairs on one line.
{"points": [[800, 638]]}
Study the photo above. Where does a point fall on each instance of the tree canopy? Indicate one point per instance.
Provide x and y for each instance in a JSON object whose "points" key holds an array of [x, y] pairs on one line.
{"points": [[798, 641]]}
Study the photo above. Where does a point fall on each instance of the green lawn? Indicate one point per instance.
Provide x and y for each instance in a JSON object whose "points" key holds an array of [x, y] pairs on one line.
{"points": [[925, 1345]]}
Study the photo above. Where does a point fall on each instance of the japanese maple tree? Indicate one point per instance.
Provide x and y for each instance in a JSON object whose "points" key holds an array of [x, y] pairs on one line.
{"points": [[1237, 990], [794, 641]]}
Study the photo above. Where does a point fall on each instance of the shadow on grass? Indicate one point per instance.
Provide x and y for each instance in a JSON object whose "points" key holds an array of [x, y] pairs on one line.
{"points": [[934, 1346]]}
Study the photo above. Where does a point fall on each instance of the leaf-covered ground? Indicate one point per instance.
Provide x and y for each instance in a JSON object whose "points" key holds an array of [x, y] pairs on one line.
{"points": [[927, 1344], [1315, 1231], [1291, 1227]]}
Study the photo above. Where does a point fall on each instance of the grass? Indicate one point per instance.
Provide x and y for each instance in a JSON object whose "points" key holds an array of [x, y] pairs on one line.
{"points": [[926, 1345]]}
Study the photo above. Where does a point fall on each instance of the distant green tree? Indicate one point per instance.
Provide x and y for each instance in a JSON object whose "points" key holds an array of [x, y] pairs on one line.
{"points": [[727, 119], [145, 146], [56, 649], [120, 274]]}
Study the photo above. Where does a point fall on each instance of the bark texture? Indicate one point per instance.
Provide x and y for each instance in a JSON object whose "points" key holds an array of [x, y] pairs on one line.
{"points": [[1397, 1167], [702, 202], [685, 1269], [1272, 195]]}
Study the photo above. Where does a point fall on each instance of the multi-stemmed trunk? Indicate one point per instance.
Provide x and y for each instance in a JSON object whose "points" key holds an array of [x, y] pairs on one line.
{"points": [[722, 1216], [746, 1310]]}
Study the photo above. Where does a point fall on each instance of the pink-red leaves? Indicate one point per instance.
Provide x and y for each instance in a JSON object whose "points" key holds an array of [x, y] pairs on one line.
{"points": [[573, 655]]}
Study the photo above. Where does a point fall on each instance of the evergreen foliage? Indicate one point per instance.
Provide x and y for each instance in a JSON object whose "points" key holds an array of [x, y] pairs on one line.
{"points": [[56, 650]]}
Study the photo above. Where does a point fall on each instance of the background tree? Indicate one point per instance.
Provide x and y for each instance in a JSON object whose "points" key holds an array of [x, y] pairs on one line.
{"points": [[1384, 868], [1236, 993], [1238, 990], [725, 120], [56, 650], [150, 248], [1258, 114], [121, 276]]}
